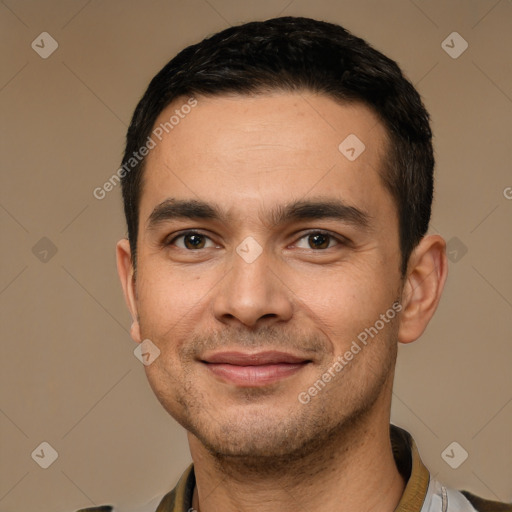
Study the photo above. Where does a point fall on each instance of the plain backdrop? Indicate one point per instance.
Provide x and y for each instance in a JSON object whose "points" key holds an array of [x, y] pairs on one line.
{"points": [[68, 375]]}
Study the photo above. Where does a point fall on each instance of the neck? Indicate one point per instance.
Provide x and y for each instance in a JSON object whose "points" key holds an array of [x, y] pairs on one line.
{"points": [[353, 471]]}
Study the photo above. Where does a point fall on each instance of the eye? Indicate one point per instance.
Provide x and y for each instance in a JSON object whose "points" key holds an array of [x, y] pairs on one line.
{"points": [[320, 240], [191, 240]]}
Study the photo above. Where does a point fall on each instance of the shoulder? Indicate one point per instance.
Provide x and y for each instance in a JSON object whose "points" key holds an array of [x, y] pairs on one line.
{"points": [[483, 505]]}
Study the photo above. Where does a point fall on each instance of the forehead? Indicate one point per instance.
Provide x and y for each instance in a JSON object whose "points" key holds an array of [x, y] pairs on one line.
{"points": [[245, 151]]}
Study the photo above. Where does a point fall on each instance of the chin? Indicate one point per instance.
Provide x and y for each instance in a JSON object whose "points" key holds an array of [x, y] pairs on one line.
{"points": [[254, 438], [249, 435]]}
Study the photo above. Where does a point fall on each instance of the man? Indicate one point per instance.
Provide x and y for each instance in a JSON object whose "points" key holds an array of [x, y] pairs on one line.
{"points": [[277, 184]]}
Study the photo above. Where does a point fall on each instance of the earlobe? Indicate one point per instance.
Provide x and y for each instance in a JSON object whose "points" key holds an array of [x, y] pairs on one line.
{"points": [[126, 275], [426, 276], [135, 331]]}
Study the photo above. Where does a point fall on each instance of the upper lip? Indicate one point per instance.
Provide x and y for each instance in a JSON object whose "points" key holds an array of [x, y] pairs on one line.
{"points": [[253, 359]]}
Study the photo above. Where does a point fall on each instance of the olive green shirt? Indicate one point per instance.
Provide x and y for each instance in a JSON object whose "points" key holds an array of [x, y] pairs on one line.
{"points": [[421, 494]]}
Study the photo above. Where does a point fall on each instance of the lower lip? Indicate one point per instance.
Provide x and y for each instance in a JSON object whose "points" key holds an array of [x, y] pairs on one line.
{"points": [[253, 376]]}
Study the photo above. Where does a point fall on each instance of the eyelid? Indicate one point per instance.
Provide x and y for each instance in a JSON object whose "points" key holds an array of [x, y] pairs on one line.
{"points": [[170, 241], [340, 239]]}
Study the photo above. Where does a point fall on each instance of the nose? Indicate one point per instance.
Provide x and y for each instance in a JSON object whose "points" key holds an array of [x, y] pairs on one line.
{"points": [[252, 294]]}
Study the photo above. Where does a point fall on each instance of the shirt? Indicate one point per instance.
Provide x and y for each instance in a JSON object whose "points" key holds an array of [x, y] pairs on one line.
{"points": [[422, 493]]}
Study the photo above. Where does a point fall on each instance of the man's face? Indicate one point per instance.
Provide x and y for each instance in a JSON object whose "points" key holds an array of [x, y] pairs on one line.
{"points": [[253, 307]]}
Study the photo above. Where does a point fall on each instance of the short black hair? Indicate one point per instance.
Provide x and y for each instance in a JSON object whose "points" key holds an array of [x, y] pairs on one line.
{"points": [[299, 54]]}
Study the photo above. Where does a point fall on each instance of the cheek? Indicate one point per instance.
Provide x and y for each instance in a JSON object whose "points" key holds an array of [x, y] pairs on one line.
{"points": [[342, 301], [167, 295]]}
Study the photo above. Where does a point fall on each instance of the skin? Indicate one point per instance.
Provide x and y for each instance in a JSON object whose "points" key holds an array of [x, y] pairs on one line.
{"points": [[260, 448]]}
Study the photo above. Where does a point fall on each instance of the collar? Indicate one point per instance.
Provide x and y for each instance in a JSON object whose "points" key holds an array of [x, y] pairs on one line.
{"points": [[410, 465]]}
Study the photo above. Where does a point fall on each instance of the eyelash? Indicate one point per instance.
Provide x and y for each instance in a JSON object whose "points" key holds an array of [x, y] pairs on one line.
{"points": [[340, 240]]}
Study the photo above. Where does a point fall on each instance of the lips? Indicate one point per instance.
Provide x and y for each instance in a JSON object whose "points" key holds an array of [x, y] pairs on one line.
{"points": [[256, 359], [256, 369]]}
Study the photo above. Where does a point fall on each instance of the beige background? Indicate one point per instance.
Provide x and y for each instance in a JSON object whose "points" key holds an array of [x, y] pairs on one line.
{"points": [[68, 374]]}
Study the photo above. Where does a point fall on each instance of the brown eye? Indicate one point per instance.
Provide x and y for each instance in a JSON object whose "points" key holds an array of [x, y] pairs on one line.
{"points": [[191, 240], [319, 240], [194, 241]]}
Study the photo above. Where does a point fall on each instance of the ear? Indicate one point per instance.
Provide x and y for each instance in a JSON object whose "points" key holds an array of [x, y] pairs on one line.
{"points": [[426, 275], [126, 275]]}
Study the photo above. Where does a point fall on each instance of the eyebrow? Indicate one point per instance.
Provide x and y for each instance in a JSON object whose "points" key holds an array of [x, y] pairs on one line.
{"points": [[172, 209]]}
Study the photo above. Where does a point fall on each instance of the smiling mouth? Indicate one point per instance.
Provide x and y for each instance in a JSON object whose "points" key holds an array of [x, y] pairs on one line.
{"points": [[252, 370]]}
